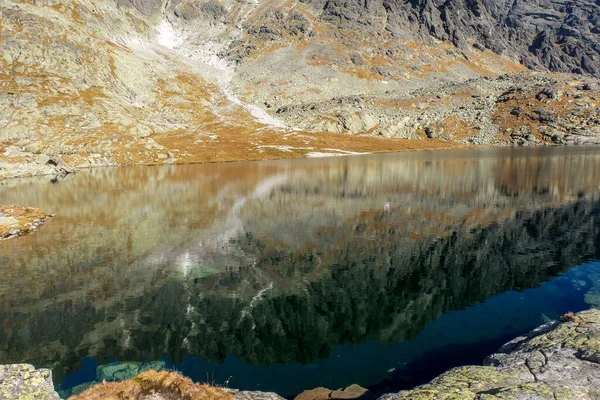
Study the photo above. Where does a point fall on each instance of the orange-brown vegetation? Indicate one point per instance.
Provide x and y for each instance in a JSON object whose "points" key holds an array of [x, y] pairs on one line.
{"points": [[570, 317], [20, 219], [456, 127], [162, 385]]}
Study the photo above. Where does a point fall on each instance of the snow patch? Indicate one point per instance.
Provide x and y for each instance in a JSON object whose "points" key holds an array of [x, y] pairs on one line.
{"points": [[167, 37], [338, 152], [206, 60]]}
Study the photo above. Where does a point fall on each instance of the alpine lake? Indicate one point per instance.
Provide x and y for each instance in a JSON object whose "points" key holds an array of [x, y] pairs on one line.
{"points": [[380, 270]]}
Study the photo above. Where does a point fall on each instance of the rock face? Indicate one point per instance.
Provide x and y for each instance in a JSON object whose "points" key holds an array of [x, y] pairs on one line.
{"points": [[561, 36], [559, 360], [24, 382], [321, 393]]}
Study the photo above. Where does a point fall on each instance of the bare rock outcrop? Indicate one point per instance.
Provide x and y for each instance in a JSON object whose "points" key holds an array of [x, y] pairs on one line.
{"points": [[561, 36], [23, 381], [559, 360]]}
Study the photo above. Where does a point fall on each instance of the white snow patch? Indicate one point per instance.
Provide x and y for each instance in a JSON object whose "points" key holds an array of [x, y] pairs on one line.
{"points": [[167, 37], [204, 60], [338, 152], [284, 148], [207, 60]]}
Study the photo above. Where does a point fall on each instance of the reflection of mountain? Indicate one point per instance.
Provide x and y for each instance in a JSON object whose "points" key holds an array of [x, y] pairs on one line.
{"points": [[316, 260], [388, 291]]}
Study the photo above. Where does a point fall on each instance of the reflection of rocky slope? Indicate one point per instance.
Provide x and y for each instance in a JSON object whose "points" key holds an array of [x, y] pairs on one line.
{"points": [[317, 258], [125, 82]]}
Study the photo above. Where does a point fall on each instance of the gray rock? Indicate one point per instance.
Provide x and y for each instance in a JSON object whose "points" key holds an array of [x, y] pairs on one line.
{"points": [[23, 381], [524, 30], [559, 360], [430, 132], [248, 395]]}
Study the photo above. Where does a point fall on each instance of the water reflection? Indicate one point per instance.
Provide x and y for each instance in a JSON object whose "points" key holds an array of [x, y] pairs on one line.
{"points": [[281, 264]]}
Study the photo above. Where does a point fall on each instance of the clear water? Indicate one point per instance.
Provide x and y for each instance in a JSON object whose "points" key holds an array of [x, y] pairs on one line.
{"points": [[381, 270]]}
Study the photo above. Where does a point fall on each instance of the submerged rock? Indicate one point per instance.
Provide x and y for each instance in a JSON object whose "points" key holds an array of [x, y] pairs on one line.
{"points": [[24, 382], [126, 370], [559, 360], [321, 393]]}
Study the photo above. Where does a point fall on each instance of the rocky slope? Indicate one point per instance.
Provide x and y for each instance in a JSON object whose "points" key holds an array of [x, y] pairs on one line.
{"points": [[23, 381], [118, 82]]}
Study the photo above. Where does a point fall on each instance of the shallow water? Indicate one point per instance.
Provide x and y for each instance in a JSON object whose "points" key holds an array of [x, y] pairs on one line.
{"points": [[381, 270]]}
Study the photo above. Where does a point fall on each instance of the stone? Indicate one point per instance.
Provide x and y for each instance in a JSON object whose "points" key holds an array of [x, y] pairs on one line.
{"points": [[321, 393], [125, 370], [357, 122], [253, 395], [517, 111], [24, 382], [558, 360], [546, 93], [430, 132]]}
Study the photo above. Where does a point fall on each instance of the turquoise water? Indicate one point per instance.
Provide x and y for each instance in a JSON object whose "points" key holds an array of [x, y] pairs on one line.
{"points": [[283, 276]]}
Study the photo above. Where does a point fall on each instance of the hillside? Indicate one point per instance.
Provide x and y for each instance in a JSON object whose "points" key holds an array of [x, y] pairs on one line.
{"points": [[118, 82]]}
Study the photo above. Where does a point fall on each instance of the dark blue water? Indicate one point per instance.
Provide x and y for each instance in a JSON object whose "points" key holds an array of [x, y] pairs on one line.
{"points": [[456, 338], [381, 270]]}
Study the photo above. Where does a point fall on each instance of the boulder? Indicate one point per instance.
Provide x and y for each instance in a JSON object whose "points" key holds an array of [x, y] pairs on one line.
{"points": [[559, 360], [24, 382], [321, 393]]}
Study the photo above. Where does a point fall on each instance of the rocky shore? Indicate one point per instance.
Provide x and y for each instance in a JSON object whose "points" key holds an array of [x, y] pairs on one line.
{"points": [[558, 360], [16, 220]]}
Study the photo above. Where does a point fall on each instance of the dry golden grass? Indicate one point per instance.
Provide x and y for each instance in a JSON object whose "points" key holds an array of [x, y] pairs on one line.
{"points": [[28, 219], [163, 385], [456, 127]]}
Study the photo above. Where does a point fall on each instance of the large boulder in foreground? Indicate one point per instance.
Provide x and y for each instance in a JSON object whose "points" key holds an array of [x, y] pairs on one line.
{"points": [[559, 360], [24, 382]]}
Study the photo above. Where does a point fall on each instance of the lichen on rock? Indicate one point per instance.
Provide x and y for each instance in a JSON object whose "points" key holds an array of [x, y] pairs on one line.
{"points": [[559, 360], [24, 382]]}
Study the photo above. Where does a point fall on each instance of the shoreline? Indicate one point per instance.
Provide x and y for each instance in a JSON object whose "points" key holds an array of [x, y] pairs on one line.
{"points": [[58, 166], [557, 360], [64, 169]]}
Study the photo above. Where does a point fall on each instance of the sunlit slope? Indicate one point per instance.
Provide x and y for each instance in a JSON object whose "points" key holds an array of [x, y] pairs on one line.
{"points": [[95, 84]]}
